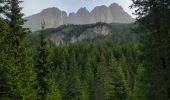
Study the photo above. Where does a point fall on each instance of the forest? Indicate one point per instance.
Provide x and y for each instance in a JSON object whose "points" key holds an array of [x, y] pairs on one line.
{"points": [[132, 63]]}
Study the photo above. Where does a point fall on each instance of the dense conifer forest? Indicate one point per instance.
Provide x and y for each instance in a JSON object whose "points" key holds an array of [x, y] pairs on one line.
{"points": [[131, 63]]}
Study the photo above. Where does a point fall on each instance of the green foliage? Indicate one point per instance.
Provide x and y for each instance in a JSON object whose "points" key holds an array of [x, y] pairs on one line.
{"points": [[46, 87], [118, 33], [120, 90], [153, 20], [139, 84], [100, 68], [91, 71], [18, 72], [3, 58]]}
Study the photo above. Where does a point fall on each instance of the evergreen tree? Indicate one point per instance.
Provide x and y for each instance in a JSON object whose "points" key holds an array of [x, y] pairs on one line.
{"points": [[3, 46], [90, 72], [138, 92], [119, 84], [3, 33], [153, 19], [60, 69], [47, 88], [19, 73], [105, 78], [73, 84], [98, 80]]}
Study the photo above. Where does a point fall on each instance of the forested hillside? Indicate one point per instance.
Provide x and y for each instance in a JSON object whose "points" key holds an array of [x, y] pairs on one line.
{"points": [[118, 33], [86, 62], [103, 71], [101, 64]]}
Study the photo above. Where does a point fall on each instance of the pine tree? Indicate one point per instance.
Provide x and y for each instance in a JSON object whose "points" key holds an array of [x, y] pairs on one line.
{"points": [[118, 84], [73, 84], [60, 70], [105, 78], [42, 70], [3, 45], [140, 83], [47, 88], [19, 74], [88, 74], [3, 33], [153, 19]]}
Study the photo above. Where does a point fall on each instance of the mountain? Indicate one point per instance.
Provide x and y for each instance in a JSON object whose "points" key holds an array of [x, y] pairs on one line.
{"points": [[54, 17], [101, 14], [81, 17], [119, 15]]}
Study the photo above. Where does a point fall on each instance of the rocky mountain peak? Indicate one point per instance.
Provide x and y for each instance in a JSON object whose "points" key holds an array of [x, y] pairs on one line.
{"points": [[82, 10], [54, 17], [51, 10], [115, 5], [71, 14], [101, 14]]}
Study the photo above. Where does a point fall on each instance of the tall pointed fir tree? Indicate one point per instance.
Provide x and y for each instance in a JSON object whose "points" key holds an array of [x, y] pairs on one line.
{"points": [[3, 60], [153, 19], [119, 84], [138, 93], [3, 46], [19, 75], [47, 88], [60, 64], [104, 78], [73, 84]]}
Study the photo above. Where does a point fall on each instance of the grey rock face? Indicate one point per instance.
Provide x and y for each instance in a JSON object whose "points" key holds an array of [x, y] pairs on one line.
{"points": [[119, 15], [54, 17], [101, 14], [81, 17]]}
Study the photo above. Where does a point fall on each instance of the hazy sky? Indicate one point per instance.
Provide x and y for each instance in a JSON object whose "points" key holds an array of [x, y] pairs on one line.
{"points": [[35, 6]]}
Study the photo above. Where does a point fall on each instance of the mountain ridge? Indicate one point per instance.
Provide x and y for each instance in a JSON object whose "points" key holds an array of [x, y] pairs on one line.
{"points": [[54, 17]]}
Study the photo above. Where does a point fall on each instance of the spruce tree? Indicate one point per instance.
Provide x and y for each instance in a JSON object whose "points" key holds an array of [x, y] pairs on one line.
{"points": [[73, 85], [61, 69], [140, 85], [19, 72], [3, 33], [120, 88], [153, 19], [47, 88], [3, 47], [104, 75]]}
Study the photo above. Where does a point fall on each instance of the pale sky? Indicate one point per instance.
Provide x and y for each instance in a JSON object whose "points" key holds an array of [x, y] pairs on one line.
{"points": [[35, 6]]}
